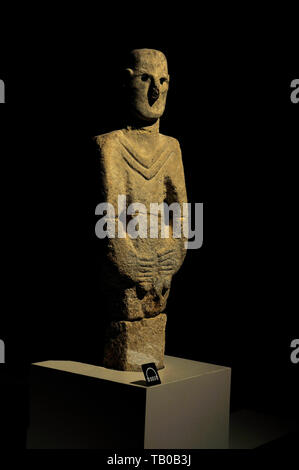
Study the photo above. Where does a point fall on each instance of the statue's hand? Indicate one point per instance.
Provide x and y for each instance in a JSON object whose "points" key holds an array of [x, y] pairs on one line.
{"points": [[146, 272], [141, 270], [162, 285], [148, 275], [167, 263]]}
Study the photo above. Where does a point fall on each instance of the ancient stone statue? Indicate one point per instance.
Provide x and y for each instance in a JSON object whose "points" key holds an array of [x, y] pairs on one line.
{"points": [[146, 167]]}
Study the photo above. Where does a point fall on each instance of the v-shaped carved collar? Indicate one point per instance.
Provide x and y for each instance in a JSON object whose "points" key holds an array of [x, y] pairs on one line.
{"points": [[135, 162]]}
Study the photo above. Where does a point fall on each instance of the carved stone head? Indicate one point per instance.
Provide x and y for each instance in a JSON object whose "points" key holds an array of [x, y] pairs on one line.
{"points": [[147, 82]]}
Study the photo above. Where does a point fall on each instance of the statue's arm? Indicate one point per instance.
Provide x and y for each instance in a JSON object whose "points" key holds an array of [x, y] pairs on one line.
{"points": [[172, 257], [120, 251]]}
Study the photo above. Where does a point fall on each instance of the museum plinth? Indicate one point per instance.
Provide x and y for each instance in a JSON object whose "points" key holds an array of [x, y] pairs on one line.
{"points": [[82, 406]]}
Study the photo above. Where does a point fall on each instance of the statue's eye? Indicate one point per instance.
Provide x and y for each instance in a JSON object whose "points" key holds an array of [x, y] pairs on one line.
{"points": [[144, 77], [162, 80]]}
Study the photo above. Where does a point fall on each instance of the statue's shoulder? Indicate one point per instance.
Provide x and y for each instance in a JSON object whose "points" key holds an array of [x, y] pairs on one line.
{"points": [[171, 141], [108, 140]]}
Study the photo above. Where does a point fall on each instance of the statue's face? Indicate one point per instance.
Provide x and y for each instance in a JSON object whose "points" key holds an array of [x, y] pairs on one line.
{"points": [[148, 84]]}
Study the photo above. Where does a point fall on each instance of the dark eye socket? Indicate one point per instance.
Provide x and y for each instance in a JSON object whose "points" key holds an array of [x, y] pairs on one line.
{"points": [[162, 80], [144, 77]]}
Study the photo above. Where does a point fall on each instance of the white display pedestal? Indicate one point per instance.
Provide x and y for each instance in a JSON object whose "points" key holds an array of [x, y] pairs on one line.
{"points": [[75, 405]]}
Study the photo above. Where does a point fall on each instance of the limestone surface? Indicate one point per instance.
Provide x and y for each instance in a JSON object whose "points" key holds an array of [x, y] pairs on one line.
{"points": [[130, 344], [146, 167]]}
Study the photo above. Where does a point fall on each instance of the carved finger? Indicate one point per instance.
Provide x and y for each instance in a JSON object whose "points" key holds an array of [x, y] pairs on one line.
{"points": [[147, 260], [167, 262], [163, 255], [168, 270], [145, 270], [149, 265], [145, 276]]}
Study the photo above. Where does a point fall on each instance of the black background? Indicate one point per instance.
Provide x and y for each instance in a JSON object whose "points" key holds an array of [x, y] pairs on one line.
{"points": [[234, 300]]}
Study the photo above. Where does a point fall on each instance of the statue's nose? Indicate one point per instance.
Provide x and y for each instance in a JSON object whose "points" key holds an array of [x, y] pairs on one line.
{"points": [[155, 93]]}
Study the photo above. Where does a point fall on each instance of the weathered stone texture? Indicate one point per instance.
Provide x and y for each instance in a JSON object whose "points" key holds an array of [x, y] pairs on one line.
{"points": [[146, 167], [130, 344]]}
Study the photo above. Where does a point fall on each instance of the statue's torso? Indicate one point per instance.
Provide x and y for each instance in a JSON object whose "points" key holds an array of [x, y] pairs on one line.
{"points": [[145, 169]]}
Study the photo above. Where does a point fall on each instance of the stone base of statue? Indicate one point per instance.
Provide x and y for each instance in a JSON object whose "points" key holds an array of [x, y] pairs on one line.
{"points": [[82, 406], [129, 344]]}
